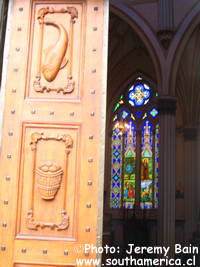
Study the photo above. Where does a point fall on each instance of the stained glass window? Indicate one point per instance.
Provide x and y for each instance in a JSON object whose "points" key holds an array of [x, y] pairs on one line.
{"points": [[147, 166], [156, 166], [139, 94], [129, 166], [116, 167], [120, 102], [134, 113]]}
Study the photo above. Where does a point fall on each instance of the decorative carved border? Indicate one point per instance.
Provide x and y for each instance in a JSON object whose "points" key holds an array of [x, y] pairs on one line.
{"points": [[30, 221], [70, 84]]}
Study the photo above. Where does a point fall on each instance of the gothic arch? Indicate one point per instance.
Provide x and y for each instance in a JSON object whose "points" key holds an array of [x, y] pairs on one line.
{"points": [[179, 43], [124, 86], [145, 33]]}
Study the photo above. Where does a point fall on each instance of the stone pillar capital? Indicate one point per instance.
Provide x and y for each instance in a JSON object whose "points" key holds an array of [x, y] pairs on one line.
{"points": [[166, 105]]}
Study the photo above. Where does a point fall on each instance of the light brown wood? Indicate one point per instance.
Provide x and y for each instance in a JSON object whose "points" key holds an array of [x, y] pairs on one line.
{"points": [[51, 155]]}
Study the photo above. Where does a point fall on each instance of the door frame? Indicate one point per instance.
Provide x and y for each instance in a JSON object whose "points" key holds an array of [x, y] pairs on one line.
{"points": [[101, 155]]}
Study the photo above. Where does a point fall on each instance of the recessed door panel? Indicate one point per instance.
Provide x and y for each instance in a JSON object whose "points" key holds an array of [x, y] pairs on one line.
{"points": [[55, 63], [48, 181]]}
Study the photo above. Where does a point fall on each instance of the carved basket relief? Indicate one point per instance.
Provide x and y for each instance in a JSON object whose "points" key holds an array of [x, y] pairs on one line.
{"points": [[49, 177], [49, 182]]}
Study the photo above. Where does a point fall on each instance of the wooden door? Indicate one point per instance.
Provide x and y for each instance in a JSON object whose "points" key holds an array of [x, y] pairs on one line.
{"points": [[50, 147]]}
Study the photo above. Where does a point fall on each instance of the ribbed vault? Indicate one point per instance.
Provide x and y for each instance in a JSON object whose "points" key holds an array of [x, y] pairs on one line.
{"points": [[188, 81], [127, 55]]}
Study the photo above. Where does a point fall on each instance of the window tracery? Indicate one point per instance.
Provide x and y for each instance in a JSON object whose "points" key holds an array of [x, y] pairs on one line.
{"points": [[135, 148]]}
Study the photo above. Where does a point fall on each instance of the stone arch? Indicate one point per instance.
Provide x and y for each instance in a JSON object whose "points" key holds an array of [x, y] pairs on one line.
{"points": [[179, 43], [146, 35]]}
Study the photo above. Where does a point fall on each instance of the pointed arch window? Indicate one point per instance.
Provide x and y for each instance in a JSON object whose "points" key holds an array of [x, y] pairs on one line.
{"points": [[135, 148]]}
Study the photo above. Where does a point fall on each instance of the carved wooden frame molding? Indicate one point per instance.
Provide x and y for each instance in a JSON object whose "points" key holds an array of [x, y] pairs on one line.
{"points": [[70, 85], [30, 221]]}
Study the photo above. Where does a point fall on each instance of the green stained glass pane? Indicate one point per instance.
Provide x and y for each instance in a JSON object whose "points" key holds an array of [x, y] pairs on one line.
{"points": [[153, 112], [124, 114], [120, 102], [116, 106]]}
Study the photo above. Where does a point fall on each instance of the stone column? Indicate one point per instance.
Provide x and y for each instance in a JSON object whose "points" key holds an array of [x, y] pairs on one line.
{"points": [[191, 181], [166, 21], [166, 210], [166, 15]]}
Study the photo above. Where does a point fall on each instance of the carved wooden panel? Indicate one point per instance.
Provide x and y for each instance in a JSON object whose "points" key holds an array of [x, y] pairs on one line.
{"points": [[55, 50], [49, 165], [48, 181]]}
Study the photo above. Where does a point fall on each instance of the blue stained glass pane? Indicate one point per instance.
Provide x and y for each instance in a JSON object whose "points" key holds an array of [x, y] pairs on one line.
{"points": [[139, 95], [116, 177], [115, 197], [116, 154], [138, 113]]}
